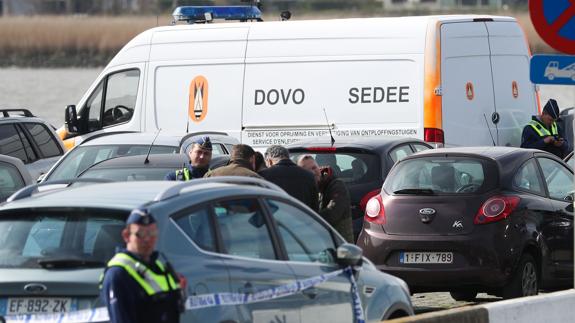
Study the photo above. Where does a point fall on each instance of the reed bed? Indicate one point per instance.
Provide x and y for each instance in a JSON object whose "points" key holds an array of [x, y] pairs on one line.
{"points": [[93, 41]]}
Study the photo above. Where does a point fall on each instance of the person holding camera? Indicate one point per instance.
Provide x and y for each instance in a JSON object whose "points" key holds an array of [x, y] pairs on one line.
{"points": [[334, 200], [543, 133]]}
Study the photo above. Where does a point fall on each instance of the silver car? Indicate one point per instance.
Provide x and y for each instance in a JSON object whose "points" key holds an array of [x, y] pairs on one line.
{"points": [[111, 145], [225, 235]]}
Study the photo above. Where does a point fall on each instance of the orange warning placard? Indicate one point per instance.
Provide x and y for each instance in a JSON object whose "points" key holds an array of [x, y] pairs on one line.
{"points": [[515, 89], [198, 102]]}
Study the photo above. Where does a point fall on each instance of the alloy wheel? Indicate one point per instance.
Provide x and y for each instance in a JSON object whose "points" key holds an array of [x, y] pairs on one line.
{"points": [[529, 279]]}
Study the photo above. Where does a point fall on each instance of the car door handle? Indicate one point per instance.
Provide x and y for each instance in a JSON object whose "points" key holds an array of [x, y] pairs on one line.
{"points": [[310, 293], [247, 289]]}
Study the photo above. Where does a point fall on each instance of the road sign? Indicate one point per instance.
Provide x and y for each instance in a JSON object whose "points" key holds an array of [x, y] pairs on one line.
{"points": [[553, 69], [554, 21]]}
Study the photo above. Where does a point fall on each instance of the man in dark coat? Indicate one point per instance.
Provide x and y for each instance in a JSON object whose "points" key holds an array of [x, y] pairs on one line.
{"points": [[296, 181], [335, 203], [137, 286], [242, 163], [543, 133]]}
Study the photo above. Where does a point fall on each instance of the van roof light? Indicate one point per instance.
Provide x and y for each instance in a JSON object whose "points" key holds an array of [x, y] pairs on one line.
{"points": [[205, 14]]}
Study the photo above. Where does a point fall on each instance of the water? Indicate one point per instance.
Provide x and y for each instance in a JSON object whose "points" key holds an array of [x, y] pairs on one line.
{"points": [[46, 92]]}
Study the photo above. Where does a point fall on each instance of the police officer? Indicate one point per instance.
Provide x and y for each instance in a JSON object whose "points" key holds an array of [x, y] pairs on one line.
{"points": [[200, 153], [543, 133], [136, 286]]}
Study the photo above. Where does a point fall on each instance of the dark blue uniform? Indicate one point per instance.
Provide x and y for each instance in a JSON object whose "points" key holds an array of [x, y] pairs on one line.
{"points": [[128, 302], [193, 172], [531, 139]]}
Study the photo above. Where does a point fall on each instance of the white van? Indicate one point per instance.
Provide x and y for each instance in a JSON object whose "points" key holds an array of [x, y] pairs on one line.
{"points": [[449, 80]]}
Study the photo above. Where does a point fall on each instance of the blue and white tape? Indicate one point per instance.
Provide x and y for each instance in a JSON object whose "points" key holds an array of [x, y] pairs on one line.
{"points": [[208, 300]]}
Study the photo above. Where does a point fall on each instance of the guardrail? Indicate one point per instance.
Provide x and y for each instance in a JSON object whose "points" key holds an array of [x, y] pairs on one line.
{"points": [[552, 307]]}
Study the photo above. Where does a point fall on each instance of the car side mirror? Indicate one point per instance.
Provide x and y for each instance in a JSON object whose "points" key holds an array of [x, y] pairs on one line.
{"points": [[349, 255], [71, 120]]}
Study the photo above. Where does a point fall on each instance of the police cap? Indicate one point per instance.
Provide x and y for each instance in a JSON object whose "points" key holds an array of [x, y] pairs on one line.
{"points": [[552, 109], [203, 142], [140, 216]]}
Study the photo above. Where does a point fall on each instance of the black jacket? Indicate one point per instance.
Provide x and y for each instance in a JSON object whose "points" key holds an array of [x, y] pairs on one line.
{"points": [[531, 139], [335, 206], [296, 181]]}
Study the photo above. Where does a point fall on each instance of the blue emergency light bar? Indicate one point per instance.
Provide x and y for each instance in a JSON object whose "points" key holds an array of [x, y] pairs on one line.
{"points": [[203, 14]]}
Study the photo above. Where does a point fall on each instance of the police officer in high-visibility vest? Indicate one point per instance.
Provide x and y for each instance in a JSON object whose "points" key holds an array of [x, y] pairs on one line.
{"points": [[543, 133], [200, 153], [137, 286]]}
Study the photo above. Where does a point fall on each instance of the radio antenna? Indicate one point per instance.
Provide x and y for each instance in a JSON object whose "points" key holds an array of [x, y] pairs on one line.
{"points": [[147, 161], [328, 127], [489, 129]]}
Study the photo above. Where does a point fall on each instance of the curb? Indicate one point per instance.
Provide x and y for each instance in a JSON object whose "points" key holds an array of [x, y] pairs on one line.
{"points": [[552, 307]]}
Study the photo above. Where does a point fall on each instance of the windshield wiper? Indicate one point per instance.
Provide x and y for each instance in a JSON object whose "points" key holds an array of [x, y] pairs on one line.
{"points": [[53, 263], [415, 191]]}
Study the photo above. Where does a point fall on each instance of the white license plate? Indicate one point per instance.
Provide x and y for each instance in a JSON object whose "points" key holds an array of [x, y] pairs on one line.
{"points": [[32, 305], [426, 257]]}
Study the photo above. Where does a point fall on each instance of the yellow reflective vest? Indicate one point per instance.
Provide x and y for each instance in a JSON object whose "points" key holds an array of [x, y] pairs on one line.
{"points": [[151, 282], [542, 131]]}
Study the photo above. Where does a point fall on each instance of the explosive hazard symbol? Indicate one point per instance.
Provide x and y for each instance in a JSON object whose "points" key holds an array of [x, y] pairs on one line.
{"points": [[469, 91], [198, 104]]}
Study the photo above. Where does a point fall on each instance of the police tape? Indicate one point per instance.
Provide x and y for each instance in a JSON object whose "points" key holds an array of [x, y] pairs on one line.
{"points": [[209, 300]]}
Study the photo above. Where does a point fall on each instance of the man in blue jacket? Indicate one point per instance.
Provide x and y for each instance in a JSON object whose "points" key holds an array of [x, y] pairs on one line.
{"points": [[136, 286], [200, 153], [543, 133]]}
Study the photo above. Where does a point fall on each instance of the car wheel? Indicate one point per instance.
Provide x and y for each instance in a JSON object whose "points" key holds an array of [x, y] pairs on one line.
{"points": [[463, 295], [551, 77], [525, 280]]}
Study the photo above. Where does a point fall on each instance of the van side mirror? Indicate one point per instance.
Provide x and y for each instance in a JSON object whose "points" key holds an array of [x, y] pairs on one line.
{"points": [[71, 120], [349, 255]]}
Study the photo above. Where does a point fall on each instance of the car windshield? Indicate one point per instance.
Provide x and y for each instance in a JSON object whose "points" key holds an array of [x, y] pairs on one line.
{"points": [[129, 174], [350, 167], [56, 238], [81, 158], [433, 175]]}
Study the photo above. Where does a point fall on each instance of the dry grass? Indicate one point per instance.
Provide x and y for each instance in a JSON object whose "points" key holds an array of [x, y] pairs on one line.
{"points": [[85, 40]]}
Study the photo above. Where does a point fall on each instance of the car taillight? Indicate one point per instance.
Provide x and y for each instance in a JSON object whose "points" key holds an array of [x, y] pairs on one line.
{"points": [[366, 197], [433, 135], [496, 209], [321, 149], [374, 211]]}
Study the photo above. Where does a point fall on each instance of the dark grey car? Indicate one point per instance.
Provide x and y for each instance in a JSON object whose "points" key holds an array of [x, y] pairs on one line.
{"points": [[222, 236], [30, 139]]}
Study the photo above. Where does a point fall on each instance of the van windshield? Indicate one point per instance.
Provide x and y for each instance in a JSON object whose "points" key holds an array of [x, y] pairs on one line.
{"points": [[35, 238], [436, 175], [81, 158]]}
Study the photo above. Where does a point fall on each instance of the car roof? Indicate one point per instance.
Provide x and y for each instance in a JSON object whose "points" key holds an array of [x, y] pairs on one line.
{"points": [[136, 138], [129, 195], [26, 177], [354, 142], [492, 152]]}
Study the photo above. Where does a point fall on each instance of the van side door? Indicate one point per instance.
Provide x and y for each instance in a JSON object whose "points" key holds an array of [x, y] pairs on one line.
{"points": [[514, 94], [466, 83]]}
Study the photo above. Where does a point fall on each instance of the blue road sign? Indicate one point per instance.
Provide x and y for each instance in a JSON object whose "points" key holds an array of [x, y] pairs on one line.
{"points": [[553, 69]]}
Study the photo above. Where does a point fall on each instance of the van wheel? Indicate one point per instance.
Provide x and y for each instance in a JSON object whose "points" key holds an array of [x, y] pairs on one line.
{"points": [[525, 280], [464, 295]]}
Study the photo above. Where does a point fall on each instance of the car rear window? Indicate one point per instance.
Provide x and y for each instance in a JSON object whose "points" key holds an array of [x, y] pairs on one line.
{"points": [[350, 167], [128, 174], [81, 158], [33, 238], [437, 175]]}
